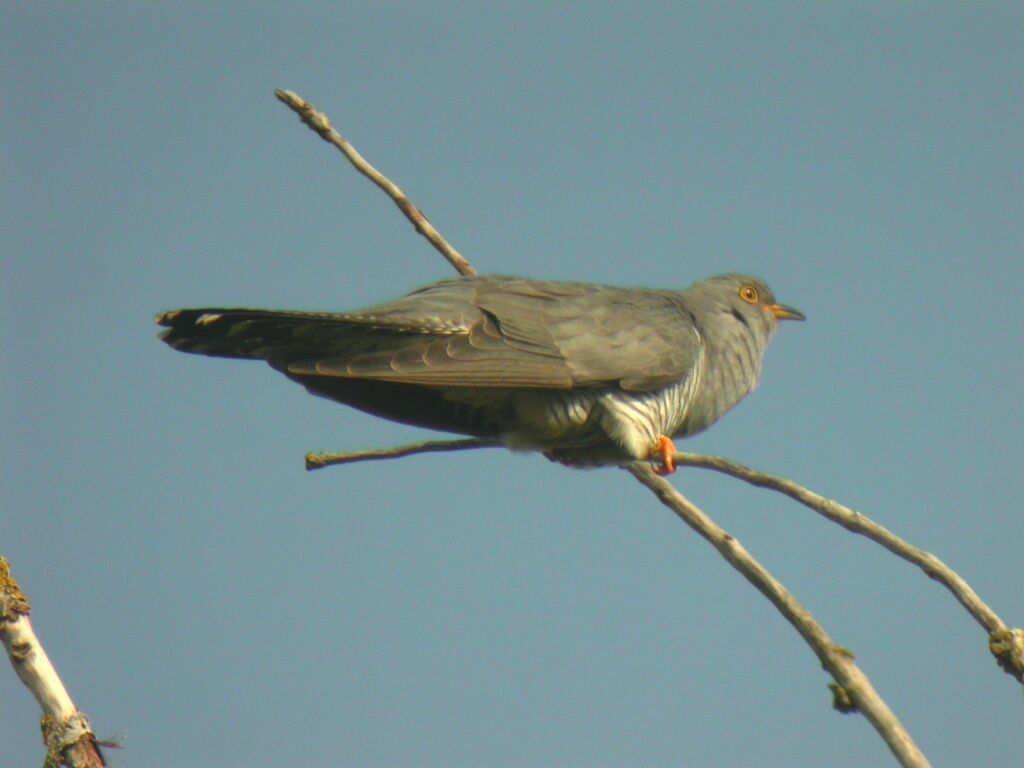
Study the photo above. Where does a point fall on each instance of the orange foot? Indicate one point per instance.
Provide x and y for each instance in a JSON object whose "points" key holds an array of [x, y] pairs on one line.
{"points": [[664, 450]]}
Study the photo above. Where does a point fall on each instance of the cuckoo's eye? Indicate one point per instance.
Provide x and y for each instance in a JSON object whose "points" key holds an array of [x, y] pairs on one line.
{"points": [[749, 294]]}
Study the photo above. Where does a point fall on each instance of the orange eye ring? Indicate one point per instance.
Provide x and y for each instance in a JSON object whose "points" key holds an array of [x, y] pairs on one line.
{"points": [[749, 294]]}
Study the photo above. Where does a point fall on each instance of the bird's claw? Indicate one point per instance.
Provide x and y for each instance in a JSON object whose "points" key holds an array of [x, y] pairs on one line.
{"points": [[663, 455]]}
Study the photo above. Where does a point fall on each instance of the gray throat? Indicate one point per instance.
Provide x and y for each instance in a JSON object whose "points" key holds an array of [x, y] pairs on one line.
{"points": [[731, 370]]}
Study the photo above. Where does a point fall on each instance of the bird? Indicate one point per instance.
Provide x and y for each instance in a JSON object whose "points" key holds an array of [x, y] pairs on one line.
{"points": [[589, 375]]}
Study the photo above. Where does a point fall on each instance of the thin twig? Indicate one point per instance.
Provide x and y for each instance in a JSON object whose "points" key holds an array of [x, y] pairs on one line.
{"points": [[321, 460], [1007, 645], [320, 123], [66, 732], [836, 660]]}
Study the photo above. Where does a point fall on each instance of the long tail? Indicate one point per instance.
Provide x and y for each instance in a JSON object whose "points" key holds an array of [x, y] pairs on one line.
{"points": [[253, 334]]}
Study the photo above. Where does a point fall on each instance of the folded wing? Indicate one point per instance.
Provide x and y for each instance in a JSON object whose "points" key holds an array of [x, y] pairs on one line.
{"points": [[483, 332]]}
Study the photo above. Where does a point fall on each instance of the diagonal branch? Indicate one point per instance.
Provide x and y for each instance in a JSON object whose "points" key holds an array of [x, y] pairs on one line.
{"points": [[836, 660], [851, 681], [320, 123], [1006, 645], [66, 731]]}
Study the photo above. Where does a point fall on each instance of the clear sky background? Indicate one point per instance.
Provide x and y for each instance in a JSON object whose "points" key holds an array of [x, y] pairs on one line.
{"points": [[209, 602]]}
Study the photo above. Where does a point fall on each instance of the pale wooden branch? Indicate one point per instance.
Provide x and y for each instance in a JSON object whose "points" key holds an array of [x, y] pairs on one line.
{"points": [[321, 460], [835, 659], [853, 690], [66, 732], [320, 123], [1005, 644]]}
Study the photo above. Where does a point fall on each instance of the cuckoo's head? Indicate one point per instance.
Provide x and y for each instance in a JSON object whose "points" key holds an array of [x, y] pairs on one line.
{"points": [[744, 299]]}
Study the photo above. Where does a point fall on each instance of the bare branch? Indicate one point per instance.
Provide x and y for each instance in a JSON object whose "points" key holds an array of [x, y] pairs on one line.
{"points": [[321, 460], [320, 123], [1006, 645], [836, 660], [854, 690], [66, 731]]}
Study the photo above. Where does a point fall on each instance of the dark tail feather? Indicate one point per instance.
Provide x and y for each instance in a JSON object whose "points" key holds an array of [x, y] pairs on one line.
{"points": [[252, 334]]}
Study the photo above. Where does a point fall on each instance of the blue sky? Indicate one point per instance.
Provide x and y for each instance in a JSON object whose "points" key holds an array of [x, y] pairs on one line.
{"points": [[202, 595]]}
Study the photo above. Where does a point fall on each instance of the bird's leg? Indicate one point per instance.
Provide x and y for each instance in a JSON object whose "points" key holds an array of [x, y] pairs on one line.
{"points": [[663, 452], [661, 456]]}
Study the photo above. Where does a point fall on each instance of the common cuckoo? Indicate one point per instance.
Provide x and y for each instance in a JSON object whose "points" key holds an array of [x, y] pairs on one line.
{"points": [[587, 374]]}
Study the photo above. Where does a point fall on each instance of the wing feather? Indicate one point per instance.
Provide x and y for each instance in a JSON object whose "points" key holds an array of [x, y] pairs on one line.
{"points": [[486, 332]]}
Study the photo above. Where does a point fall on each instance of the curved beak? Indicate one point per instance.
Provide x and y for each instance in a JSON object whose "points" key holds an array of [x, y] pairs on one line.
{"points": [[782, 312]]}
